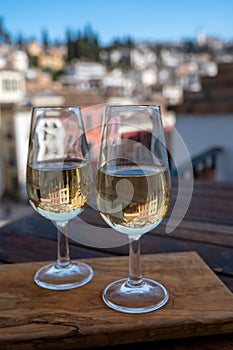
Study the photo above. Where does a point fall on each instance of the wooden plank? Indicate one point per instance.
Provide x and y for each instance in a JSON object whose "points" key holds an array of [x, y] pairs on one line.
{"points": [[219, 342], [207, 209], [205, 232], [20, 247], [208, 188], [32, 317], [209, 240], [215, 256], [33, 224]]}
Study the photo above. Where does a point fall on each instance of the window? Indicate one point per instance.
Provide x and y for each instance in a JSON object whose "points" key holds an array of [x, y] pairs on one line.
{"points": [[10, 85]]}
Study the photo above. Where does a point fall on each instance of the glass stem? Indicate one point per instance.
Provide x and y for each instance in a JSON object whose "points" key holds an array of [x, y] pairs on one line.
{"points": [[135, 276], [63, 254]]}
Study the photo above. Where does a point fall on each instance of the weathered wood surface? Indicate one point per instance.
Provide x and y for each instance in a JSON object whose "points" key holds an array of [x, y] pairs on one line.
{"points": [[207, 228], [32, 317]]}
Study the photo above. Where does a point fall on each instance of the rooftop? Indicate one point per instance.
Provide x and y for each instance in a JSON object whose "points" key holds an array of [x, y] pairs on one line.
{"points": [[215, 96]]}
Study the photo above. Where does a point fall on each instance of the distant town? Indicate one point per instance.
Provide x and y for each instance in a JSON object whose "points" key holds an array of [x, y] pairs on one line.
{"points": [[126, 68], [180, 76]]}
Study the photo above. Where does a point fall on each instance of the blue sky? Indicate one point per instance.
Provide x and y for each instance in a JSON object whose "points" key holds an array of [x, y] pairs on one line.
{"points": [[139, 19]]}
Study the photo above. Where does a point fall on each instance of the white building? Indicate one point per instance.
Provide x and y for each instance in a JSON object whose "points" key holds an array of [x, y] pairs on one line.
{"points": [[12, 86], [88, 73], [116, 81], [20, 61], [142, 58], [12, 92]]}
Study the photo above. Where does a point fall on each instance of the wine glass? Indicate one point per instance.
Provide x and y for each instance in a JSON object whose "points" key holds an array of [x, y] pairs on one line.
{"points": [[133, 191], [59, 186]]}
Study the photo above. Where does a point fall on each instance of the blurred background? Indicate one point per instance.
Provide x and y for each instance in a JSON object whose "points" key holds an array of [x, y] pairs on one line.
{"points": [[95, 53]]}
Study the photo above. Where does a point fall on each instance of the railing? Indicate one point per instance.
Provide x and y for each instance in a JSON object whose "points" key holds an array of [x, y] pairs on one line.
{"points": [[203, 164]]}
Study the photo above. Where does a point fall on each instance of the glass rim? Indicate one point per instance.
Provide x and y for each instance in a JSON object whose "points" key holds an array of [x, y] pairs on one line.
{"points": [[133, 106], [55, 107]]}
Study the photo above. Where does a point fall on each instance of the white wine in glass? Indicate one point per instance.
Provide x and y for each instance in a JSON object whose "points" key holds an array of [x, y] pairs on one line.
{"points": [[59, 186], [133, 191]]}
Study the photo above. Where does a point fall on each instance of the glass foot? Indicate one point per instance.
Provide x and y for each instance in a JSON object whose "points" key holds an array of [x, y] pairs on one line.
{"points": [[148, 296], [54, 277]]}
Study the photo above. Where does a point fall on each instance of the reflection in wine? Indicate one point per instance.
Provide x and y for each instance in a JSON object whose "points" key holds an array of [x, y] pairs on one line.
{"points": [[59, 189], [134, 199]]}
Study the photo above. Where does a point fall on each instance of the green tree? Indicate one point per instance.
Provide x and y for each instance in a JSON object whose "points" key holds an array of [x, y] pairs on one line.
{"points": [[70, 44], [45, 39], [85, 45], [4, 35]]}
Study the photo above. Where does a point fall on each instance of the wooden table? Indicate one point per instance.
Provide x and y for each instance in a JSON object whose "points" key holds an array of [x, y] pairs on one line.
{"points": [[206, 229]]}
